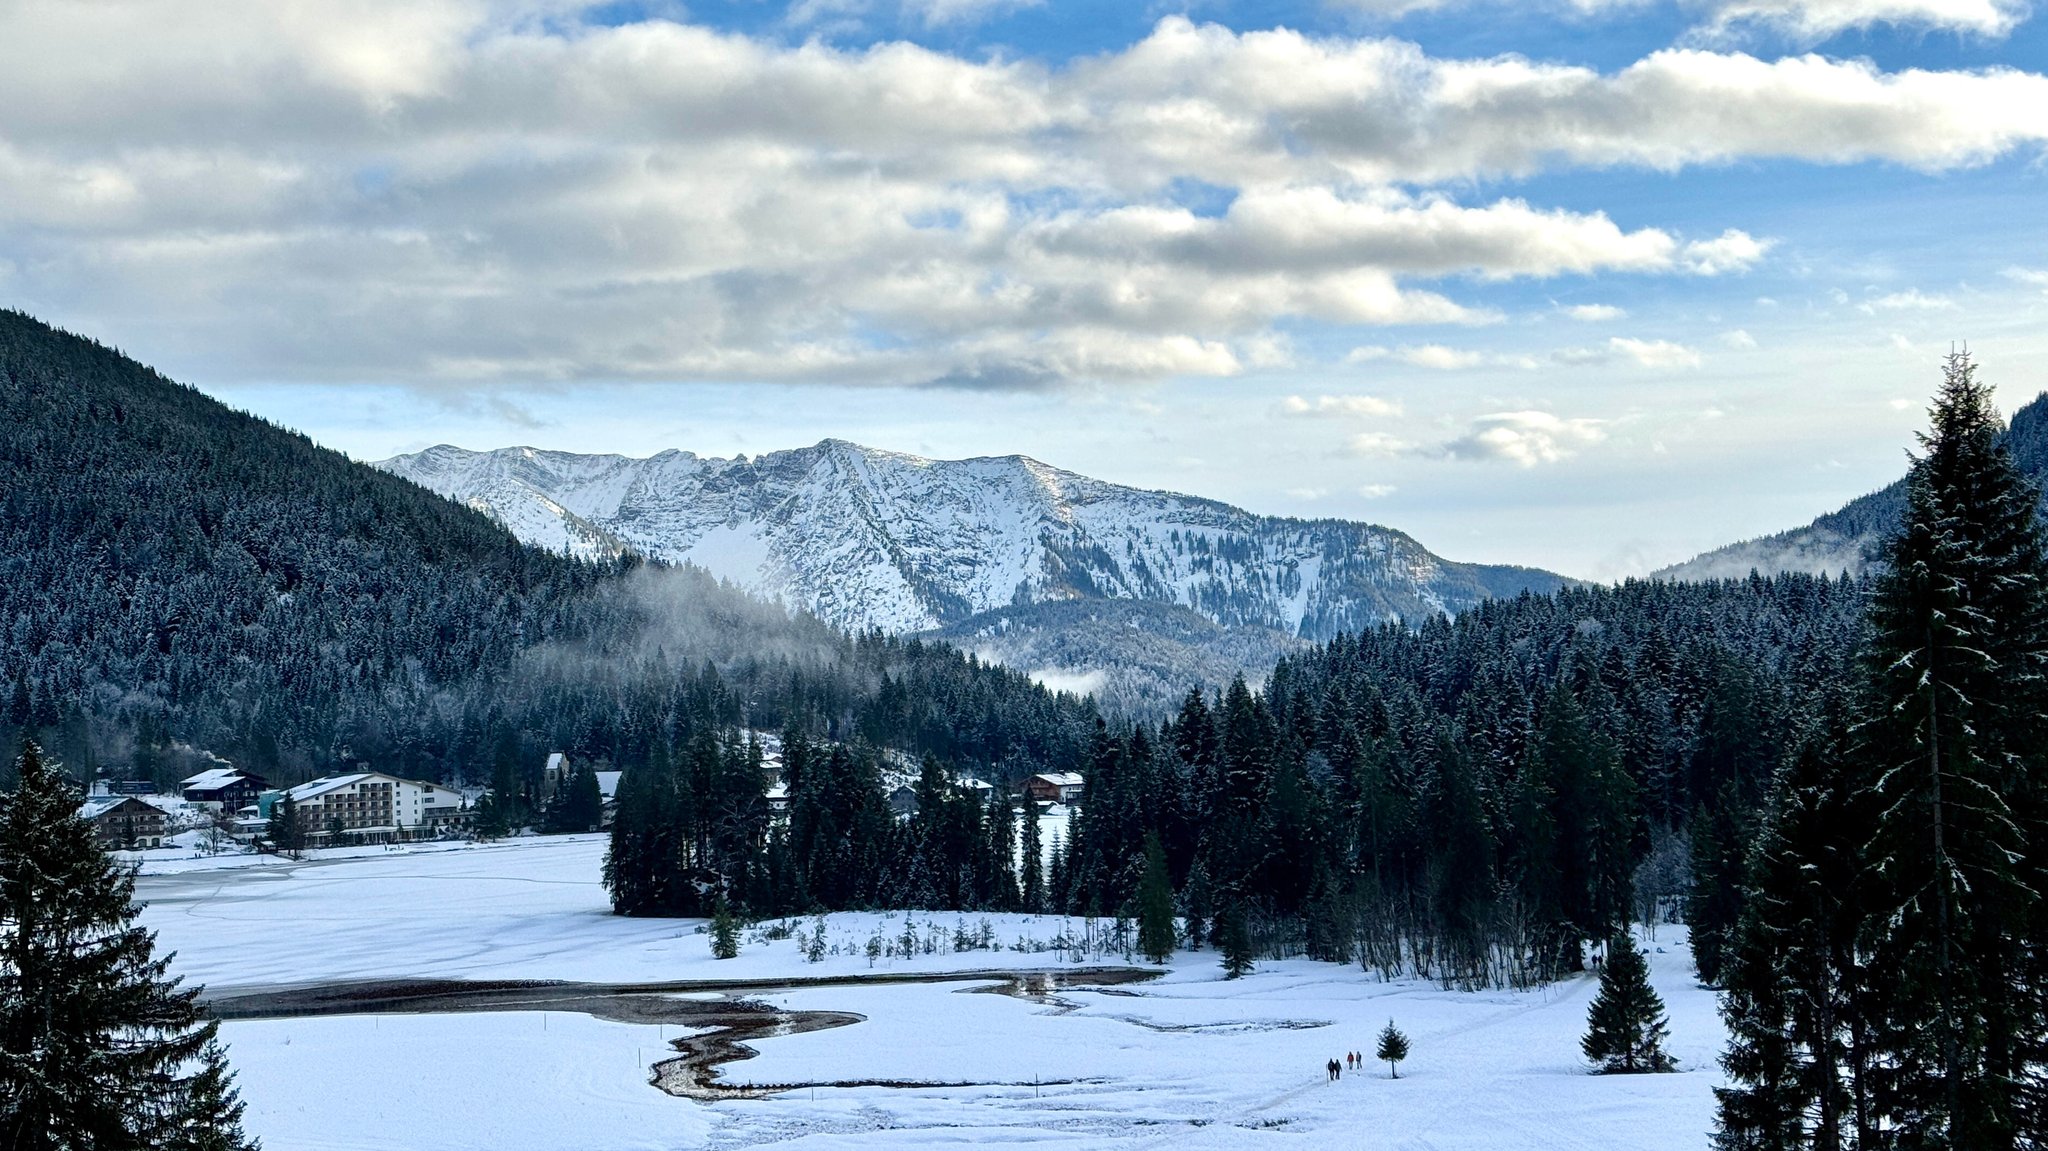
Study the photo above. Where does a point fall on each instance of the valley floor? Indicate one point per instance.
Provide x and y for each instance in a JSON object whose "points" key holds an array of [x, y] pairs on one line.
{"points": [[1185, 1061]]}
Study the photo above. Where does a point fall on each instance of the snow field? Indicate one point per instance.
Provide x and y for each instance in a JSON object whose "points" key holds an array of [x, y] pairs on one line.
{"points": [[479, 1082], [1188, 1060]]}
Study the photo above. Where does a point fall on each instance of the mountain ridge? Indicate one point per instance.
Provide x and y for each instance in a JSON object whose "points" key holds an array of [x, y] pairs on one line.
{"points": [[1846, 539], [866, 537]]}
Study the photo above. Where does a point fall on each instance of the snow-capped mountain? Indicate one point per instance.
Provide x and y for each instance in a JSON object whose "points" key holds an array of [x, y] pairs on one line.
{"points": [[866, 538]]}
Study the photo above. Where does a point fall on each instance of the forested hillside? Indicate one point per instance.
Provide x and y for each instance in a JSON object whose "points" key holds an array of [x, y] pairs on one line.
{"points": [[1475, 798], [179, 578]]}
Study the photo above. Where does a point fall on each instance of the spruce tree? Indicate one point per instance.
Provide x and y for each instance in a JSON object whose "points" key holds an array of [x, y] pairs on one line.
{"points": [[1625, 1027], [1954, 746], [287, 831], [1156, 931], [725, 932], [1033, 860], [1196, 905], [1393, 1048], [99, 1048], [1234, 940], [1792, 977]]}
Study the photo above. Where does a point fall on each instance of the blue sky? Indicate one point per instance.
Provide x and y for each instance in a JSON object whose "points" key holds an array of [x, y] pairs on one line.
{"points": [[1588, 284]]}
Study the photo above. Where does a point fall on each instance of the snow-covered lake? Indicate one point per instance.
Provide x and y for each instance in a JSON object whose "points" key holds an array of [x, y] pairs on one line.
{"points": [[1187, 1061]]}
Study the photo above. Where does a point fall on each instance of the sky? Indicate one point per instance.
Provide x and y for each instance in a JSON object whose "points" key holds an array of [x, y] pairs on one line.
{"points": [[1592, 285]]}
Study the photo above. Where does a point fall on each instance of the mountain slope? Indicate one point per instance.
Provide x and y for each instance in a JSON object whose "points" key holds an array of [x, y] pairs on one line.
{"points": [[866, 538], [1847, 539], [178, 578]]}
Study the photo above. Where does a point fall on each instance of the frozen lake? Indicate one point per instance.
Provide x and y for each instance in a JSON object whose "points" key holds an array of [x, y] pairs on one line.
{"points": [[1188, 1060]]}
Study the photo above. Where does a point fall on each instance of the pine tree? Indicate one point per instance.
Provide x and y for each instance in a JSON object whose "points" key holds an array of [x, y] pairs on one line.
{"points": [[1033, 860], [1234, 940], [1791, 988], [1196, 905], [1625, 1030], [99, 1048], [725, 932], [287, 831], [1959, 638], [1393, 1048], [1156, 931]]}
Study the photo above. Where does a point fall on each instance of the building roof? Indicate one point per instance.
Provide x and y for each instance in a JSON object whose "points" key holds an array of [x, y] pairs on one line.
{"points": [[212, 779], [319, 787], [1061, 778], [100, 805]]}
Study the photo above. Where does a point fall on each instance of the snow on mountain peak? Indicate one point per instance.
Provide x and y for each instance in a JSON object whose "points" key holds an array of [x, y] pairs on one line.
{"points": [[868, 538]]}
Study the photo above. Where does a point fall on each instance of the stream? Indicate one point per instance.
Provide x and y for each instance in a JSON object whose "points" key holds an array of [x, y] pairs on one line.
{"points": [[725, 1024]]}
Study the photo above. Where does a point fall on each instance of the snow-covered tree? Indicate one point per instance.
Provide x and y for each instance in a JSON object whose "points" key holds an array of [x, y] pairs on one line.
{"points": [[1625, 1030], [99, 1048]]}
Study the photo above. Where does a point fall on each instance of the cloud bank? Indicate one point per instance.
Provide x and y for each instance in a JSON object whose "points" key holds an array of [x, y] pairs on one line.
{"points": [[456, 191]]}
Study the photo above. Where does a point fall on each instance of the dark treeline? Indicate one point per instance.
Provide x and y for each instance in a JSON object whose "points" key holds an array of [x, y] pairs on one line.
{"points": [[177, 579], [1476, 799], [1473, 800], [694, 827]]}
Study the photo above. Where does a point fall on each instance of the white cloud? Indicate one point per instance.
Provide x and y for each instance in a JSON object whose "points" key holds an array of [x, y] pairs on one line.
{"points": [[1309, 495], [940, 13], [1391, 9], [1377, 491], [468, 191], [1738, 339], [1731, 251], [1812, 21], [1343, 406], [1655, 353], [2038, 277], [1808, 21], [1594, 313], [1661, 354], [1525, 438], [1910, 300], [1441, 358], [1376, 444]]}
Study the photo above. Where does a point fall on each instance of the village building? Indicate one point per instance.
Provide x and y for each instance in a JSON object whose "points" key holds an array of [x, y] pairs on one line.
{"points": [[1055, 787], [125, 822], [371, 807], [223, 789]]}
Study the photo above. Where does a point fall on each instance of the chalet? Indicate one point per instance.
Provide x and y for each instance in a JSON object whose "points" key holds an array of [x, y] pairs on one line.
{"points": [[371, 807], [125, 822], [1055, 786], [902, 801], [223, 789]]}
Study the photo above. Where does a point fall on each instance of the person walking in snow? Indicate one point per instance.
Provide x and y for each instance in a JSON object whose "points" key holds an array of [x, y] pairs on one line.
{"points": [[1334, 1069]]}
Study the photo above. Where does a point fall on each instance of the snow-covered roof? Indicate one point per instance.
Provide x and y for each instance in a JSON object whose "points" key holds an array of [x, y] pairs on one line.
{"points": [[319, 787], [608, 783], [211, 779], [556, 761], [99, 805], [1061, 778]]}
